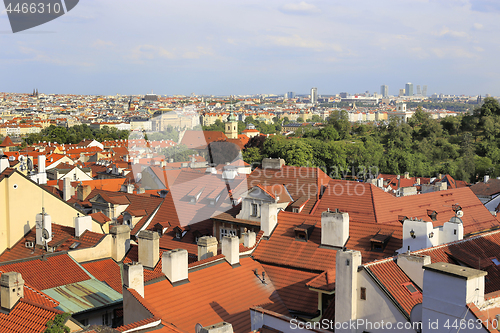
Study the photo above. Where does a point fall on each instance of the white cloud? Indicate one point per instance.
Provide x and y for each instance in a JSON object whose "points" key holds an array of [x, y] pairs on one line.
{"points": [[477, 26], [300, 8], [306, 43], [101, 44], [200, 51], [150, 52], [446, 32]]}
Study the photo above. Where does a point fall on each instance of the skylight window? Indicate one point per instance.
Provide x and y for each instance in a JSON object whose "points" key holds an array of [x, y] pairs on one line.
{"points": [[411, 288], [495, 261]]}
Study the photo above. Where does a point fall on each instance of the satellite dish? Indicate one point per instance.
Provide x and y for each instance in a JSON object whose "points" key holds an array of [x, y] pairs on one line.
{"points": [[459, 213], [45, 234], [198, 327], [21, 158]]}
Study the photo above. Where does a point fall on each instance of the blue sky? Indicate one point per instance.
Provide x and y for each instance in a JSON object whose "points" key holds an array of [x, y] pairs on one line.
{"points": [[257, 47]]}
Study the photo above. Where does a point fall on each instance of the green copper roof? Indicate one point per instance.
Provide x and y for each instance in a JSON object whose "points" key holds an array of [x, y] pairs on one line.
{"points": [[84, 295], [232, 117]]}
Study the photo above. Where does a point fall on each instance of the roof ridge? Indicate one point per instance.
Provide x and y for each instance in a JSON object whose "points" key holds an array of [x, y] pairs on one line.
{"points": [[485, 234]]}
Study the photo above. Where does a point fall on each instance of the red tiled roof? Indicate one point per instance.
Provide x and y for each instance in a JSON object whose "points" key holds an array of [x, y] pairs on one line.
{"points": [[105, 270], [324, 281], [63, 238], [27, 317], [291, 286], [283, 249], [393, 278], [137, 324], [49, 272], [200, 139], [489, 188], [214, 294], [100, 217], [7, 142], [372, 204]]}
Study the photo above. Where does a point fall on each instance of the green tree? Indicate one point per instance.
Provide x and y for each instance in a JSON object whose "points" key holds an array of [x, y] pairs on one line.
{"points": [[57, 325], [252, 155]]}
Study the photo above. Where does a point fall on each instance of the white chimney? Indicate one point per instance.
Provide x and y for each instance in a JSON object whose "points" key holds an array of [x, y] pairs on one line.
{"points": [[231, 249], [413, 266], [41, 163], [448, 289], [82, 223], [268, 218], [12, 289], [221, 327], [4, 162], [334, 228], [207, 247], [486, 178], [133, 277], [175, 266], [149, 248], [249, 239], [347, 291], [67, 189], [380, 182], [121, 241]]}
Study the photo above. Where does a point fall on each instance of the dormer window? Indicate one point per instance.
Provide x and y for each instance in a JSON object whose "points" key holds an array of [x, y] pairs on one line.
{"points": [[432, 214], [303, 232], [412, 289], [181, 232], [255, 209], [380, 240]]}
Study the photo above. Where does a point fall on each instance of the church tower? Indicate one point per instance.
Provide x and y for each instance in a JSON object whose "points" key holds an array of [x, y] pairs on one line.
{"points": [[232, 126]]}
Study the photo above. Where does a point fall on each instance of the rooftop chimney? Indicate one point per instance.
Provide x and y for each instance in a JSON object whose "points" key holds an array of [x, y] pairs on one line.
{"points": [[413, 266], [380, 182], [486, 178], [334, 228], [82, 223], [121, 241], [4, 162], [149, 248], [207, 247], [83, 191], [67, 189], [407, 175], [175, 266], [221, 327], [231, 249], [12, 289], [272, 163], [133, 277], [268, 218], [249, 239], [41, 163]]}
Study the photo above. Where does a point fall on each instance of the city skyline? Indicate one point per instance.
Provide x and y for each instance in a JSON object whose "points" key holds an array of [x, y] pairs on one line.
{"points": [[227, 48]]}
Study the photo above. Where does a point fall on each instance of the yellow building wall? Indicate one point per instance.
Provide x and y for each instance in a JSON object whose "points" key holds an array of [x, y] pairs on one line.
{"points": [[21, 200]]}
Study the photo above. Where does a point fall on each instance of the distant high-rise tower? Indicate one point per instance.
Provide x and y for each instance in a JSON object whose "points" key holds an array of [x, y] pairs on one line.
{"points": [[424, 90], [384, 90], [290, 95], [419, 92], [314, 95], [409, 89]]}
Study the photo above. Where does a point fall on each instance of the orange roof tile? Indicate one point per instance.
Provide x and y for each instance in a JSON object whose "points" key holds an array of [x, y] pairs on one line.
{"points": [[27, 317], [203, 301], [48, 272], [105, 270]]}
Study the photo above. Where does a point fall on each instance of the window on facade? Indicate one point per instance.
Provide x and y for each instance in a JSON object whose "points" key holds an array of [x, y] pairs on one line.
{"points": [[105, 319], [254, 209], [227, 232], [363, 293]]}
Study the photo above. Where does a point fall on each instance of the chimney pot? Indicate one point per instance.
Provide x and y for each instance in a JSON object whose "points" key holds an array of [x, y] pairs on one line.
{"points": [[133, 277], [249, 239], [207, 247], [82, 223], [334, 228], [12, 289], [175, 266], [149, 248], [231, 249]]}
